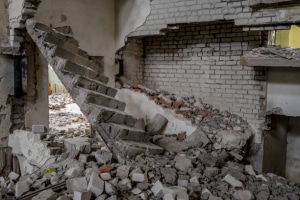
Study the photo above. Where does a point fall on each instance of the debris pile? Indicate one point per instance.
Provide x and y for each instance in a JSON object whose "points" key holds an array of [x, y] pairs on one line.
{"points": [[275, 52], [208, 164], [66, 119]]}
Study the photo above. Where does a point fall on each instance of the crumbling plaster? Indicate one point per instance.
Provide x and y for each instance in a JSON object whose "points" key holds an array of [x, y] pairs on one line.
{"points": [[92, 24], [6, 88], [130, 14]]}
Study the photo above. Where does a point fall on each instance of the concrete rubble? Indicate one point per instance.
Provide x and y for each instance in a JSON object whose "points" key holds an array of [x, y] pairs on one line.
{"points": [[208, 164]]}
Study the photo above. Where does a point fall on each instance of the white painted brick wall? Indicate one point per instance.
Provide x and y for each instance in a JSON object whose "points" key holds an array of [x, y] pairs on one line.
{"points": [[200, 60]]}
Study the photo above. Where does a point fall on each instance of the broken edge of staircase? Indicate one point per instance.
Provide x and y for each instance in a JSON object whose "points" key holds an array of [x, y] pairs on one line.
{"points": [[88, 87]]}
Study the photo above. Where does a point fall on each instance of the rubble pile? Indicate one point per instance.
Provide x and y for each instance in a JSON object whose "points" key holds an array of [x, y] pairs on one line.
{"points": [[66, 119], [190, 168], [275, 52], [207, 164]]}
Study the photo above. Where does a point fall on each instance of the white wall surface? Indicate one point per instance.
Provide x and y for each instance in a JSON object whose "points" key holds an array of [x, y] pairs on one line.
{"points": [[130, 14], [93, 24], [284, 90]]}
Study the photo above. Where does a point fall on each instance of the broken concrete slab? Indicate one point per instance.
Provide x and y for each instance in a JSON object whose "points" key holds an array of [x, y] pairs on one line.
{"points": [[233, 181], [21, 143], [123, 171], [103, 157], [156, 124]]}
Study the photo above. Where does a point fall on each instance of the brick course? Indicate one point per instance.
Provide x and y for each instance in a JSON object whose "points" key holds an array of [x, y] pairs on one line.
{"points": [[271, 16]]}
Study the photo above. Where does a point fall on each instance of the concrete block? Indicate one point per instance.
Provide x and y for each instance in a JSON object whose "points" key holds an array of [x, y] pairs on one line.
{"points": [[82, 195], [137, 177], [156, 124], [72, 172], [242, 195], [105, 176], [96, 185], [183, 163], [197, 139], [110, 189], [20, 188], [125, 184], [13, 176], [46, 195], [38, 128], [77, 184], [157, 189], [103, 157], [233, 181], [83, 145], [123, 171]]}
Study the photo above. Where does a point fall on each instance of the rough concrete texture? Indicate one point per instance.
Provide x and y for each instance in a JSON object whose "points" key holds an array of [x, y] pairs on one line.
{"points": [[7, 88], [22, 143]]}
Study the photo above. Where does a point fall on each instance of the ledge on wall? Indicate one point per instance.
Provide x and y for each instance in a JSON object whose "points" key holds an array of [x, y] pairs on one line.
{"points": [[272, 57]]}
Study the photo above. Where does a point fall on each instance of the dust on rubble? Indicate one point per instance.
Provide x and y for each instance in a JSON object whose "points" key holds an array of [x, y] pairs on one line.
{"points": [[66, 119]]}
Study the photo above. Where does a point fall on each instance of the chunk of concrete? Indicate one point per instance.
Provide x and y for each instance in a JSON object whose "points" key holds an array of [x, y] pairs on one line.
{"points": [[125, 184], [183, 163], [249, 170], [170, 175], [137, 177], [21, 143], [13, 176], [21, 188], [105, 176], [96, 185], [110, 189], [157, 189], [156, 124], [123, 171], [77, 184], [82, 195], [233, 181], [171, 144], [182, 196], [230, 140], [46, 195], [197, 139], [73, 172], [242, 195], [81, 144], [103, 157]]}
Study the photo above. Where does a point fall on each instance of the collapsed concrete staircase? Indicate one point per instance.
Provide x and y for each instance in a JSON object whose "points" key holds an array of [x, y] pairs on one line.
{"points": [[87, 86]]}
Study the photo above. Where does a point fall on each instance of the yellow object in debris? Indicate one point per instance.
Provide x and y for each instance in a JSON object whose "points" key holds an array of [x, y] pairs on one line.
{"points": [[50, 91], [50, 170]]}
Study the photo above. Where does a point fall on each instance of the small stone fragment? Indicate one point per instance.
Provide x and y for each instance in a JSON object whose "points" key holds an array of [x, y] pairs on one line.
{"points": [[232, 181]]}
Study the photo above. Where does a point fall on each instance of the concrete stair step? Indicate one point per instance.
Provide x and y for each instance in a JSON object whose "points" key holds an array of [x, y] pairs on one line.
{"points": [[96, 87], [85, 72], [115, 116], [79, 60], [129, 149], [105, 101], [53, 39], [123, 132], [47, 29]]}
